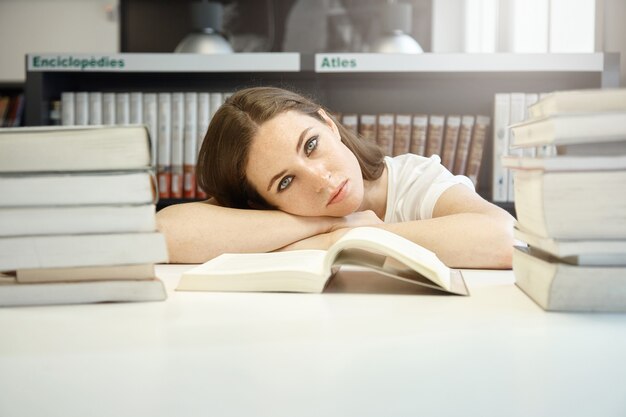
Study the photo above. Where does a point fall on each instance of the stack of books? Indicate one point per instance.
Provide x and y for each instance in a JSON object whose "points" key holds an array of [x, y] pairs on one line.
{"points": [[570, 201], [77, 216]]}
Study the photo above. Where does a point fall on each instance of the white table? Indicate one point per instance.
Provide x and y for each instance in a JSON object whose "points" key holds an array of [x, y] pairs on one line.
{"points": [[209, 354]]}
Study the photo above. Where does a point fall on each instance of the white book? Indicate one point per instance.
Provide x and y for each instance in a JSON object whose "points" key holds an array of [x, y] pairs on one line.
{"points": [[419, 134], [571, 129], [178, 144], [567, 163], [190, 144], [85, 273], [81, 108], [216, 100], [164, 141], [108, 108], [577, 101], [95, 108], [77, 189], [136, 108], [51, 220], [517, 113], [310, 270], [150, 119], [60, 251], [85, 292], [204, 117], [591, 252], [67, 108], [531, 99], [500, 176], [122, 108], [557, 286]]}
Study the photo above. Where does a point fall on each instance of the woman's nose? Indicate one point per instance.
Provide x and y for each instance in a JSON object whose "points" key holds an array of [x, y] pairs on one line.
{"points": [[320, 177]]}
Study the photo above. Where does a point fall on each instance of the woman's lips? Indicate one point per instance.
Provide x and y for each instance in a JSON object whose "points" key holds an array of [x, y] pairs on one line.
{"points": [[338, 193]]}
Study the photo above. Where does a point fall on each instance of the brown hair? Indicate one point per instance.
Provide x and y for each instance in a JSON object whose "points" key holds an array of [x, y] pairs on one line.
{"points": [[223, 157]]}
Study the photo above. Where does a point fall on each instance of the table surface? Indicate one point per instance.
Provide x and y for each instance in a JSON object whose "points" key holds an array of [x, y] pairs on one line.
{"points": [[494, 353]]}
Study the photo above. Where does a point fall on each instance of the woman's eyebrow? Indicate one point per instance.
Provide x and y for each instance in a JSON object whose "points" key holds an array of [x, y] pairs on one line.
{"points": [[281, 173]]}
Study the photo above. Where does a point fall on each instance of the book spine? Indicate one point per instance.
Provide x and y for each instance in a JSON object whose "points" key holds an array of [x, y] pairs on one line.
{"points": [[450, 141], [108, 108], [204, 117], [164, 148], [434, 139], [95, 108], [216, 100], [81, 108], [462, 149], [419, 131], [517, 114], [479, 136], [136, 108], [150, 119], [67, 108], [190, 146], [367, 127], [350, 122], [122, 108], [384, 135], [500, 180], [178, 143], [402, 134]]}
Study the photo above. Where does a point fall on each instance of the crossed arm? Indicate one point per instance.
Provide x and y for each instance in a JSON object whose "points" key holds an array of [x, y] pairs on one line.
{"points": [[465, 231]]}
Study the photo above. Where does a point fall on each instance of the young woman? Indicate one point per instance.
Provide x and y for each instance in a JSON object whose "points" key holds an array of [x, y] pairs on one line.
{"points": [[283, 174]]}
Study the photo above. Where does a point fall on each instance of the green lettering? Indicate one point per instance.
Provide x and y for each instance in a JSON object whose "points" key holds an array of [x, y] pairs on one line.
{"points": [[325, 63]]}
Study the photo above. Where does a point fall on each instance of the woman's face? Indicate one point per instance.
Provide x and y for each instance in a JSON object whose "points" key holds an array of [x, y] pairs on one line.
{"points": [[299, 165]]}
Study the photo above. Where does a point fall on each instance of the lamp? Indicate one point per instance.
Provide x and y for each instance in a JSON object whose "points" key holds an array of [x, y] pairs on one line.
{"points": [[206, 22], [396, 19]]}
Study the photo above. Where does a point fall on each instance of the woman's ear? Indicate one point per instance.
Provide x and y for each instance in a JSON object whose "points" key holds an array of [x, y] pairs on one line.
{"points": [[329, 122]]}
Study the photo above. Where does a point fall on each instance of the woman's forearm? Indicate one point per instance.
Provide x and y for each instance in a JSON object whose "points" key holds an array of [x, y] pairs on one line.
{"points": [[197, 232]]}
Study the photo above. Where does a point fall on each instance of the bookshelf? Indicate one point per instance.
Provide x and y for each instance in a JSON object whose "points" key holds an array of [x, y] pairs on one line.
{"points": [[343, 82]]}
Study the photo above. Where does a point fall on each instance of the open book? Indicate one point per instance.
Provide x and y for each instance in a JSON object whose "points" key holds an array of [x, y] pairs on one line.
{"points": [[310, 270]]}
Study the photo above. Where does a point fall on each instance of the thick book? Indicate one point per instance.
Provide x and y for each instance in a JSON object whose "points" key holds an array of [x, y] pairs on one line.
{"points": [[57, 220], [419, 131], [310, 270], [500, 145], [13, 294], [60, 251], [477, 148], [462, 150], [570, 129], [571, 204], [86, 273], [434, 140], [556, 286], [402, 134], [450, 141], [84, 188], [599, 252], [577, 101], [82, 148], [384, 134]]}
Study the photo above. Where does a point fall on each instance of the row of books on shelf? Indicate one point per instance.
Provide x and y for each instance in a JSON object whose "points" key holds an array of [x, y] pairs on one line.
{"points": [[77, 216], [458, 139], [570, 202], [178, 122], [11, 110]]}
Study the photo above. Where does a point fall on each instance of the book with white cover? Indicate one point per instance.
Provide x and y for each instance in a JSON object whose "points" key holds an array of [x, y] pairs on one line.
{"points": [[81, 148], [600, 252], [82, 292], [517, 113], [60, 251], [567, 163], [570, 129], [114, 187], [500, 175], [51, 220], [164, 144], [190, 151], [577, 101], [86, 273], [556, 286], [136, 108], [150, 119], [122, 108], [108, 109], [310, 270], [178, 144], [204, 117], [81, 108], [95, 108], [67, 108]]}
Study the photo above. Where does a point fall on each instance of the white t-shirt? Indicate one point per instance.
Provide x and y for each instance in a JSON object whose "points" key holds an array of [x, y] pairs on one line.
{"points": [[414, 184]]}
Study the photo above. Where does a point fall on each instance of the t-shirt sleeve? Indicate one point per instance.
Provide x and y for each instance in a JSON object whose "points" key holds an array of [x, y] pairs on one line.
{"points": [[418, 183]]}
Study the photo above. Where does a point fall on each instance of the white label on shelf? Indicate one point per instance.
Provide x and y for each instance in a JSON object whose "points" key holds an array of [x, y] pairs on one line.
{"points": [[362, 62], [134, 62]]}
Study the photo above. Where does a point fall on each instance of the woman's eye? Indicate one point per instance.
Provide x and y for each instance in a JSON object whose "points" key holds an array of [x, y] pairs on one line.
{"points": [[310, 145], [284, 183]]}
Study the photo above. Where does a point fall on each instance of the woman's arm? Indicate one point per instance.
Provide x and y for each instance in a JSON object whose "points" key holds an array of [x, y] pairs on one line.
{"points": [[465, 232], [197, 232]]}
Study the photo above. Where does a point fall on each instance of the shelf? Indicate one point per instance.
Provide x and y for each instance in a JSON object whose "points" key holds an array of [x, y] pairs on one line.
{"points": [[145, 62]]}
